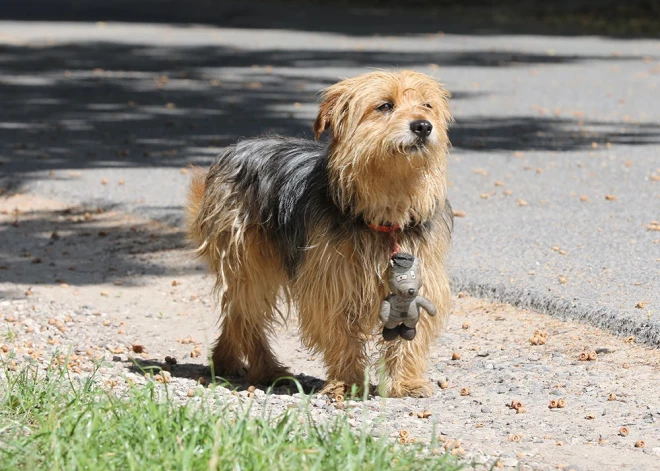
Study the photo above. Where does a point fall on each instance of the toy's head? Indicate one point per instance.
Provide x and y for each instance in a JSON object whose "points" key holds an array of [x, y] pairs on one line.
{"points": [[405, 276]]}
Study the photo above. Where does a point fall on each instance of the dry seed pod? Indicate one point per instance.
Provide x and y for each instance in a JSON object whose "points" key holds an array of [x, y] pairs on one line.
{"points": [[425, 414], [443, 384], [451, 444], [592, 356], [465, 392], [466, 325], [520, 410], [611, 397], [516, 404], [514, 438], [455, 356], [640, 444], [404, 434], [542, 340], [339, 397], [561, 403], [584, 356], [553, 404], [534, 340], [623, 431]]}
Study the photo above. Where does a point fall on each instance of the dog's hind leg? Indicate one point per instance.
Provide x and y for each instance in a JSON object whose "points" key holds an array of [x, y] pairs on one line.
{"points": [[227, 352], [253, 279]]}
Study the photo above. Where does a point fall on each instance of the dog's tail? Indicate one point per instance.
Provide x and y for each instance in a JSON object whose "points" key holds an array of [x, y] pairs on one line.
{"points": [[195, 197]]}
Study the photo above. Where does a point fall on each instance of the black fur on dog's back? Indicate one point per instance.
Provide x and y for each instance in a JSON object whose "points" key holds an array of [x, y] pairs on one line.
{"points": [[283, 183]]}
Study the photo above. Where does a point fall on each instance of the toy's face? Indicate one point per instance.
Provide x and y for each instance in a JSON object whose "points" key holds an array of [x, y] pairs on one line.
{"points": [[405, 282]]}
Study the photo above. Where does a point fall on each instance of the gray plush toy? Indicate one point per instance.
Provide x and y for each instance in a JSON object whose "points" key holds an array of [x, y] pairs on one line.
{"points": [[400, 310]]}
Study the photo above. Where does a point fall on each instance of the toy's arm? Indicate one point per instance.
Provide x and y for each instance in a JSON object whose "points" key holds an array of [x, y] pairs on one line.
{"points": [[413, 311], [385, 311], [427, 305]]}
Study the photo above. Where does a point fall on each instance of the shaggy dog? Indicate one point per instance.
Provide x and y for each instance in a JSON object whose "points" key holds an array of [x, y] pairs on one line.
{"points": [[315, 224]]}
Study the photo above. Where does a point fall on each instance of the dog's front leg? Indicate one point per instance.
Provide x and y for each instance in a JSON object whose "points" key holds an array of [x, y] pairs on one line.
{"points": [[406, 362], [343, 349]]}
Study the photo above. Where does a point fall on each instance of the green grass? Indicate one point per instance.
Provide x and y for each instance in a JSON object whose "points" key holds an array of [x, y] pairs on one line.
{"points": [[50, 422]]}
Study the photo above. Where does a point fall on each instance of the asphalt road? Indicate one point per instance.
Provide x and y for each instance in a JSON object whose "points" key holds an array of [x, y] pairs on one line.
{"points": [[111, 113]]}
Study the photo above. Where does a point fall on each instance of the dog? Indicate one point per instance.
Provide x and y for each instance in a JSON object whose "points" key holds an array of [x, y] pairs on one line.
{"points": [[315, 222]]}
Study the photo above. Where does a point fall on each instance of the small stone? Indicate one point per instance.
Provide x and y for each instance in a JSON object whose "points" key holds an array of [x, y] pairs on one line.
{"points": [[509, 462], [486, 410]]}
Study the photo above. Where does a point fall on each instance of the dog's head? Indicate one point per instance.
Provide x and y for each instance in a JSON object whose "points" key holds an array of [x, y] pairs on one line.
{"points": [[389, 135], [387, 113]]}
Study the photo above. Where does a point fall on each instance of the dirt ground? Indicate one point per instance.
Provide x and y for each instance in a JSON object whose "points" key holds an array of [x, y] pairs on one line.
{"points": [[98, 284]]}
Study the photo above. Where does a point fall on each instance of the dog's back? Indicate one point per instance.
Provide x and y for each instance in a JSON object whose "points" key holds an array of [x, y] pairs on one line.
{"points": [[273, 183]]}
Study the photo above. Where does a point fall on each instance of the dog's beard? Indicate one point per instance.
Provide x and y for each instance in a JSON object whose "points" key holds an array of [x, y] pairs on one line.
{"points": [[411, 147]]}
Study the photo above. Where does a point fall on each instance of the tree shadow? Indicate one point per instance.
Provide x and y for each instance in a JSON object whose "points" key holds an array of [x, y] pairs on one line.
{"points": [[110, 105], [636, 18], [82, 245]]}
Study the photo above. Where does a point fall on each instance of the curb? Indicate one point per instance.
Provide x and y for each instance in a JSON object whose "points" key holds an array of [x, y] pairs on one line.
{"points": [[644, 331]]}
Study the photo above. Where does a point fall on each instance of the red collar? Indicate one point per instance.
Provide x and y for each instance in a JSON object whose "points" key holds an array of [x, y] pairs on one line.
{"points": [[388, 228]]}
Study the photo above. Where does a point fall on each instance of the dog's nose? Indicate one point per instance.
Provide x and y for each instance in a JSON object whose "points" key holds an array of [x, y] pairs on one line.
{"points": [[411, 291], [421, 127]]}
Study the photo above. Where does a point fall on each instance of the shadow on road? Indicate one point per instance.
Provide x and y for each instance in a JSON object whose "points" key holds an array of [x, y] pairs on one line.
{"points": [[99, 105], [80, 246], [195, 371]]}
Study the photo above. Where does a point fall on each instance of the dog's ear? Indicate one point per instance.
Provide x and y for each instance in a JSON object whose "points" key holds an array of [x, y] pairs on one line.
{"points": [[443, 111], [328, 110]]}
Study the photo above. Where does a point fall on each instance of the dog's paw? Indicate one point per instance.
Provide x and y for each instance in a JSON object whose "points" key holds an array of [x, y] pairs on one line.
{"points": [[411, 388], [229, 369], [256, 376], [335, 388]]}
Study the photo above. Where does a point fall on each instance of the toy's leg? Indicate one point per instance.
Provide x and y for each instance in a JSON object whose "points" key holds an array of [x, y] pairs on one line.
{"points": [[390, 334], [407, 333]]}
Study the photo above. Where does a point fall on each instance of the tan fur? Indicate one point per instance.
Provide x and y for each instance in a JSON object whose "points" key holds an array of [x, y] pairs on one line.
{"points": [[341, 282]]}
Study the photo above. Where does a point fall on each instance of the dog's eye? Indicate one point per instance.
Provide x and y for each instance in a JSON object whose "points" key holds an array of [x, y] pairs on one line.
{"points": [[412, 275], [428, 105], [401, 277], [386, 107]]}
